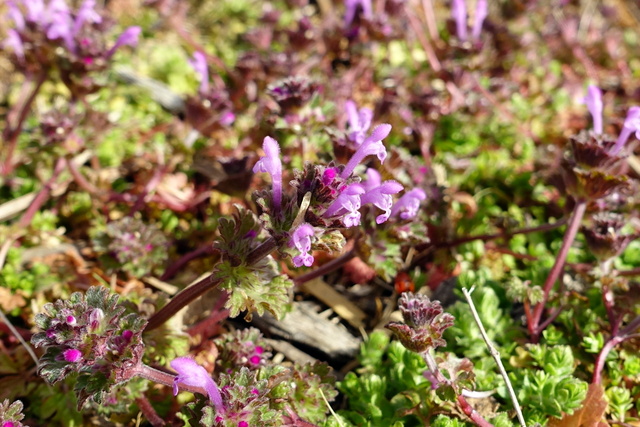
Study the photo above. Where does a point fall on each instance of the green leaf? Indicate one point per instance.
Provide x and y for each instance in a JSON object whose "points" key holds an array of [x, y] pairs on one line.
{"points": [[255, 289]]}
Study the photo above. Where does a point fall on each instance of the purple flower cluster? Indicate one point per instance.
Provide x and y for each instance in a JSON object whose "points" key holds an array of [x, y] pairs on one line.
{"points": [[424, 322], [58, 23], [459, 15], [341, 196], [594, 103], [91, 335]]}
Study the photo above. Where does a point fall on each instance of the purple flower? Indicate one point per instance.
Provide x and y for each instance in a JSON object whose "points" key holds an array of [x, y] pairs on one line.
{"points": [[272, 165], [481, 14], [347, 205], [351, 8], [407, 206], [380, 196], [329, 175], [631, 124], [60, 23], [128, 37], [71, 320], [594, 104], [14, 41], [194, 375], [459, 15], [86, 13], [373, 179], [72, 355], [359, 122], [16, 14], [301, 240], [199, 64], [370, 146], [227, 118], [95, 319], [35, 10]]}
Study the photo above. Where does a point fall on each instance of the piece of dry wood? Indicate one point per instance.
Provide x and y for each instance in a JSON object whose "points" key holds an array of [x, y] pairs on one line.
{"points": [[290, 352], [13, 207], [159, 284], [304, 326], [338, 302]]}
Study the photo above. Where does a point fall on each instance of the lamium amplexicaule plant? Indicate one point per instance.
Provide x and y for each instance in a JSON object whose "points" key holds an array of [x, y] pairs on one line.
{"points": [[426, 163]]}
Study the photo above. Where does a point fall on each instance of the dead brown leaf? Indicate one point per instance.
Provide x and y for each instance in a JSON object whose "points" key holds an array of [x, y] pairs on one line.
{"points": [[9, 301], [590, 414]]}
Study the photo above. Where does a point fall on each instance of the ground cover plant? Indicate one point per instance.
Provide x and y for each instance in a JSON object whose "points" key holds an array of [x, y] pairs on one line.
{"points": [[319, 213]]}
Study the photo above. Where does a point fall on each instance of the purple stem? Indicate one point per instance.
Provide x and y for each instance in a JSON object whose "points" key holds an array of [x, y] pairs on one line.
{"points": [[189, 294], [149, 412], [475, 417], [422, 256], [434, 62], [631, 327], [81, 180], [607, 300], [161, 377], [173, 269], [574, 224], [332, 265], [182, 299], [622, 139], [151, 185], [43, 195], [11, 133], [602, 356]]}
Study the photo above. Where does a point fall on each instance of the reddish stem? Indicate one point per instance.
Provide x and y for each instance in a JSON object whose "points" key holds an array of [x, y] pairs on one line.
{"points": [[81, 180], [426, 46], [149, 412], [602, 357], [607, 300], [161, 377], [150, 187], [43, 195], [420, 258], [632, 272], [11, 133], [194, 291], [332, 265], [432, 365], [173, 269], [472, 413], [181, 300], [574, 224]]}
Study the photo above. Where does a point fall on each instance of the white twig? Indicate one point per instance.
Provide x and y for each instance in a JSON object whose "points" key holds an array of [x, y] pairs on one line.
{"points": [[331, 409], [496, 356], [15, 332]]}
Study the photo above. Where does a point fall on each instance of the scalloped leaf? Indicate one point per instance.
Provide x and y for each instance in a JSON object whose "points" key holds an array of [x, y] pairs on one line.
{"points": [[255, 289], [238, 234]]}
